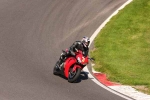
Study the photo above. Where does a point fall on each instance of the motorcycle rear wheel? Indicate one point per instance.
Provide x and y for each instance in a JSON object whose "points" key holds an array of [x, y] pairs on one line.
{"points": [[55, 70], [73, 76]]}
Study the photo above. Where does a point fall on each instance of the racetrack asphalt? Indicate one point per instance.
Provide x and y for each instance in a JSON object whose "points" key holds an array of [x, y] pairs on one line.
{"points": [[32, 35]]}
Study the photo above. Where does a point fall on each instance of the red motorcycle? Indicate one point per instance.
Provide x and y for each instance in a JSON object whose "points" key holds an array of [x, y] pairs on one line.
{"points": [[72, 66]]}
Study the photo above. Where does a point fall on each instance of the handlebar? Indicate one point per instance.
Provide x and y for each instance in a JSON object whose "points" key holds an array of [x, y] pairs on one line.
{"points": [[92, 59]]}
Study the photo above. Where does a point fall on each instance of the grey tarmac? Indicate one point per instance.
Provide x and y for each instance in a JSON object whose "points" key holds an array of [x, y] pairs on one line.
{"points": [[32, 35]]}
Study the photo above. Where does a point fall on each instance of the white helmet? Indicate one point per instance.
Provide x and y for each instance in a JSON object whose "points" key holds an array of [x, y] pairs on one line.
{"points": [[85, 41]]}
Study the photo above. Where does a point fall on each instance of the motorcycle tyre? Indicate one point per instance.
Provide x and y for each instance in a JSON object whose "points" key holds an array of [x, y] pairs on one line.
{"points": [[71, 80], [55, 70]]}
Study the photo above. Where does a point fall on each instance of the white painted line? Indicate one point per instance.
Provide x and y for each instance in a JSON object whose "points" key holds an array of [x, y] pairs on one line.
{"points": [[92, 38], [107, 20], [103, 86], [128, 90]]}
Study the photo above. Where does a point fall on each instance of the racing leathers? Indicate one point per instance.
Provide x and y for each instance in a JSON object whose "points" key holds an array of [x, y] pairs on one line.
{"points": [[77, 45]]}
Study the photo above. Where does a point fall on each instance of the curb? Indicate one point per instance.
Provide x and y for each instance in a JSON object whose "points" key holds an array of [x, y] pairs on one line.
{"points": [[123, 89], [101, 79]]}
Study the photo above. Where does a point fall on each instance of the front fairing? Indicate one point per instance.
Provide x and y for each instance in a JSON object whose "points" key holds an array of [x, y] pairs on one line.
{"points": [[82, 60], [72, 61], [68, 63]]}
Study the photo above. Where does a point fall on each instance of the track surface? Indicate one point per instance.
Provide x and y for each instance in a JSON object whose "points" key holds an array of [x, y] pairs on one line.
{"points": [[32, 34]]}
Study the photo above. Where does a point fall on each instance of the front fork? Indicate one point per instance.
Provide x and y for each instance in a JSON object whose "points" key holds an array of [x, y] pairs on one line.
{"points": [[75, 67]]}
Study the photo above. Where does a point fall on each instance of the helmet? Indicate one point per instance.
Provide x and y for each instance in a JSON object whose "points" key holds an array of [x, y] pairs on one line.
{"points": [[85, 41]]}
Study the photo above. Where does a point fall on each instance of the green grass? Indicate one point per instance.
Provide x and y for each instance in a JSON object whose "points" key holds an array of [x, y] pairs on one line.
{"points": [[122, 49]]}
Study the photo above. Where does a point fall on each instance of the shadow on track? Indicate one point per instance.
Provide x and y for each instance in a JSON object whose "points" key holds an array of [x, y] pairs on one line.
{"points": [[83, 76]]}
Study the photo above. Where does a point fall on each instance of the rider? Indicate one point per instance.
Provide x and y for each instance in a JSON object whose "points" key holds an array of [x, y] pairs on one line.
{"points": [[77, 45]]}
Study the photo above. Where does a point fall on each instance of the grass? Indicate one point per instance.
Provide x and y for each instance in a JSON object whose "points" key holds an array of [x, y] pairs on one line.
{"points": [[122, 49]]}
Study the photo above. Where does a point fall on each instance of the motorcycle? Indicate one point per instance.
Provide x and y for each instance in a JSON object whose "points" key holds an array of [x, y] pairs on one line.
{"points": [[72, 66]]}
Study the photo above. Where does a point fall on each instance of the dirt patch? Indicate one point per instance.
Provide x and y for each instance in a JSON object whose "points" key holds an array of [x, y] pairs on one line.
{"points": [[142, 88]]}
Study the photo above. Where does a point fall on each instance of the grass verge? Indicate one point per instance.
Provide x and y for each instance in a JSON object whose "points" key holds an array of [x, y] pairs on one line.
{"points": [[122, 49]]}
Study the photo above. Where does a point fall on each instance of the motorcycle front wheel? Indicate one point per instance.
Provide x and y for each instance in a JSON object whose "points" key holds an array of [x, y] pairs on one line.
{"points": [[73, 75]]}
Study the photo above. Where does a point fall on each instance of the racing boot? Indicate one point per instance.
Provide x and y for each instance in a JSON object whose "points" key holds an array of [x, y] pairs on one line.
{"points": [[60, 62], [62, 59]]}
